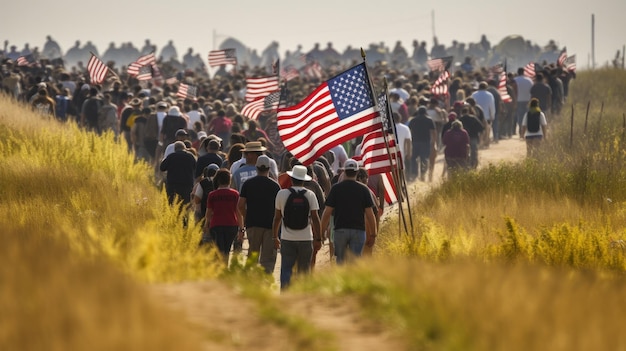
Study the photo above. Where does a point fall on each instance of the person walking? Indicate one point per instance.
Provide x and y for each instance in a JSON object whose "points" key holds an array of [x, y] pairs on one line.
{"points": [[180, 167], [533, 127], [457, 142], [424, 139], [223, 220], [296, 217], [350, 203], [474, 129], [256, 205]]}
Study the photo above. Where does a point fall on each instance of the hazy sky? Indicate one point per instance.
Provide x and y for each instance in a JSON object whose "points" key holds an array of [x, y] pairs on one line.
{"points": [[203, 24]]}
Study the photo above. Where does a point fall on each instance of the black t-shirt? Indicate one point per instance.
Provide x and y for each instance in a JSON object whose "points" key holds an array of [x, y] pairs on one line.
{"points": [[206, 160], [349, 199], [260, 194], [472, 125], [420, 127]]}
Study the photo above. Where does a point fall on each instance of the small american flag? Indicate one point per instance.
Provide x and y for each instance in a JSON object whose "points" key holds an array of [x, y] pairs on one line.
{"points": [[289, 73], [272, 100], [172, 80], [440, 86], [258, 87], [97, 70], [504, 94], [562, 57], [145, 73], [186, 91], [254, 108], [28, 60], [440, 64], [313, 70], [529, 70], [570, 63], [222, 57]]}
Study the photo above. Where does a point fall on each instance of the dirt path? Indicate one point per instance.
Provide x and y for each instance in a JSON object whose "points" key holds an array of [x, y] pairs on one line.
{"points": [[230, 322]]}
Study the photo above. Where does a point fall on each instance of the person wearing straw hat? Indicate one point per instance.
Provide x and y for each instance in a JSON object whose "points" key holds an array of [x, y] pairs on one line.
{"points": [[350, 203], [296, 242], [246, 167]]}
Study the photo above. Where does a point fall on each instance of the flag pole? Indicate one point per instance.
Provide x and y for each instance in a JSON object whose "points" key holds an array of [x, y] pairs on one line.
{"points": [[393, 169], [399, 174]]}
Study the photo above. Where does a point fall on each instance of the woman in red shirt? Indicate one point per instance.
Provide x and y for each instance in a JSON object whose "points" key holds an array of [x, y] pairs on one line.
{"points": [[223, 219]]}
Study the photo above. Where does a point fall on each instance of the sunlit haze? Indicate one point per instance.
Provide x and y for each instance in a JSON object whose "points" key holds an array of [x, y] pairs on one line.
{"points": [[203, 25]]}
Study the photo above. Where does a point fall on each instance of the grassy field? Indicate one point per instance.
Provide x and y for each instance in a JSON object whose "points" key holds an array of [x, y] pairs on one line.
{"points": [[514, 257]]}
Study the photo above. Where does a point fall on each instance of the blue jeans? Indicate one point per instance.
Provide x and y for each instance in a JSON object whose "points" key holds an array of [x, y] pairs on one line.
{"points": [[421, 150], [348, 239], [223, 237], [292, 253]]}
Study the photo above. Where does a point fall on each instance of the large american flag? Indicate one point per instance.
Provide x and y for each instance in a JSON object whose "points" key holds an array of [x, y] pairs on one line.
{"points": [[440, 86], [391, 191], [529, 70], [570, 63], [340, 109], [259, 87], [97, 70], [440, 64], [222, 57], [186, 91]]}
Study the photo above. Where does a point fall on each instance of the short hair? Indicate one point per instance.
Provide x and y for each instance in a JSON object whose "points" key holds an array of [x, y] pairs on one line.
{"points": [[222, 177], [179, 145], [534, 102], [350, 172]]}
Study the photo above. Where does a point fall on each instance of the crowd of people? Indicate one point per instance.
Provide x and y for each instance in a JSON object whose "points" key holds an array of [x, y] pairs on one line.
{"points": [[234, 173]]}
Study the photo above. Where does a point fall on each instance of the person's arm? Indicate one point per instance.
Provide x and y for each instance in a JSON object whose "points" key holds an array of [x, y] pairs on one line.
{"points": [[328, 211], [433, 139], [241, 205], [317, 230], [278, 217], [207, 218], [370, 226], [240, 223], [522, 131]]}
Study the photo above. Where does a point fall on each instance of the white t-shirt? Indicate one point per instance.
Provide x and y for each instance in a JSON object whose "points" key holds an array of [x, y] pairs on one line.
{"points": [[341, 156], [305, 234], [402, 133], [542, 122]]}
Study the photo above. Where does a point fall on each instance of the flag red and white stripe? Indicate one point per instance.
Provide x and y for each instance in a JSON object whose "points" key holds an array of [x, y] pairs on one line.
{"points": [[529, 70], [254, 108], [222, 57], [391, 191], [570, 63], [340, 109], [440, 64], [504, 94], [440, 86], [562, 57], [289, 73], [313, 70], [97, 70], [186, 91], [374, 155], [260, 87], [145, 60]]}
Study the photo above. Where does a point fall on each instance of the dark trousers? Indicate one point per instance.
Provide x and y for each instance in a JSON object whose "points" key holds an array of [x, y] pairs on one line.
{"points": [[421, 151], [223, 237]]}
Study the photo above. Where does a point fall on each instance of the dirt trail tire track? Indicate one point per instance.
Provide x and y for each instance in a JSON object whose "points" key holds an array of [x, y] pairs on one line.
{"points": [[230, 322]]}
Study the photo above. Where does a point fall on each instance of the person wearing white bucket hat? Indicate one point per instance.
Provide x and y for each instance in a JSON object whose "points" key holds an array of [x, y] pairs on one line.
{"points": [[296, 208]]}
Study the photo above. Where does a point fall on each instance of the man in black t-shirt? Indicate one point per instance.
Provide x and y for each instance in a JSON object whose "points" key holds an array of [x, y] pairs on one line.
{"points": [[352, 204], [256, 205]]}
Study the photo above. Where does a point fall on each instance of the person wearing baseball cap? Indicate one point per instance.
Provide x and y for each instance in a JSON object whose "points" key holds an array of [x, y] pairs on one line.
{"points": [[256, 205], [181, 135], [350, 203]]}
